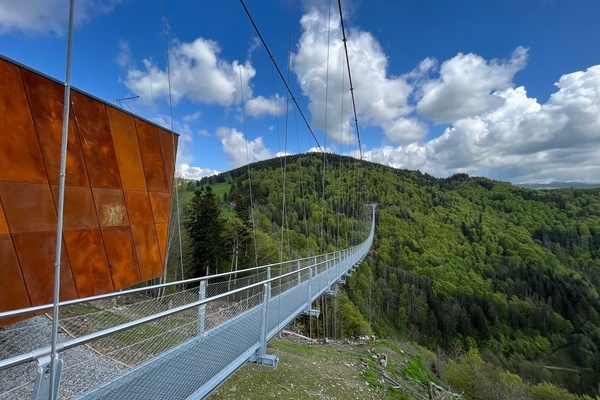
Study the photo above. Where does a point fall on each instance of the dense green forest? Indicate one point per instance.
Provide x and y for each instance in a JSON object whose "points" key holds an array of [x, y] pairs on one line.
{"points": [[458, 264]]}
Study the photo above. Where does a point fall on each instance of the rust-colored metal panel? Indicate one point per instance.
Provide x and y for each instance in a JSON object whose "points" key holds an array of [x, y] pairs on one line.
{"points": [[13, 293], [35, 251], [138, 206], [121, 256], [20, 155], [162, 231], [168, 143], [117, 195], [79, 209], [3, 223], [90, 268], [146, 248], [110, 207], [161, 206], [96, 141], [127, 149], [46, 105], [154, 167], [28, 206]]}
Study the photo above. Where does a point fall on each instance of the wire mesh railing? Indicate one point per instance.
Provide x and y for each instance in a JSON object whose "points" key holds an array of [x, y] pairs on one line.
{"points": [[167, 341]]}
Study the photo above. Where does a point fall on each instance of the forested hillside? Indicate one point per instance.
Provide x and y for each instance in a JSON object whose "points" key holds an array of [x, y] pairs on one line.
{"points": [[458, 263]]}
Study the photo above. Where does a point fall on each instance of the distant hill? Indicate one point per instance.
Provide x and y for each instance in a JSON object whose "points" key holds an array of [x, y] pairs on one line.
{"points": [[458, 263], [560, 185]]}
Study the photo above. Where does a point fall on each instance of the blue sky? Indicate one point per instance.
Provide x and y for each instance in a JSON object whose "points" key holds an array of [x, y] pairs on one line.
{"points": [[508, 89]]}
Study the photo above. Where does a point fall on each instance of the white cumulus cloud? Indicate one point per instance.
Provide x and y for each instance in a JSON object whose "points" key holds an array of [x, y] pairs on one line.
{"points": [[48, 16], [520, 140], [188, 172], [260, 105], [320, 67], [467, 86], [197, 74], [240, 151]]}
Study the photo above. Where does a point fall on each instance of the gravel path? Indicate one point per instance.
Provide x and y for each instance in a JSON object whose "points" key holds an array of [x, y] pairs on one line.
{"points": [[82, 368]]}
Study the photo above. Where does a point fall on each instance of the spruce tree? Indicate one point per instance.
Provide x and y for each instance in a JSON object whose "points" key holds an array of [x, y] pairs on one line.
{"points": [[205, 225]]}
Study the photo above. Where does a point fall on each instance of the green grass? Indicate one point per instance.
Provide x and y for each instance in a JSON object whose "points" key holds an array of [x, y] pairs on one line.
{"points": [[186, 196], [416, 369], [138, 333], [390, 345], [321, 371], [219, 190], [85, 308]]}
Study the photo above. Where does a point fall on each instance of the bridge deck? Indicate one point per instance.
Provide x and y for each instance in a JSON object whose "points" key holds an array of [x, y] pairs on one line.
{"points": [[194, 368]]}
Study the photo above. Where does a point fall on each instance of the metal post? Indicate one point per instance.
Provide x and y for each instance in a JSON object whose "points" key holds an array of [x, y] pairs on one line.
{"points": [[42, 389], [268, 273], [262, 357], [265, 313], [299, 273], [202, 308], [54, 362], [310, 276]]}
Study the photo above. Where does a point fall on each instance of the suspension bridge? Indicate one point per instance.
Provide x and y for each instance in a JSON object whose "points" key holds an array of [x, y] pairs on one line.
{"points": [[180, 345], [177, 340]]}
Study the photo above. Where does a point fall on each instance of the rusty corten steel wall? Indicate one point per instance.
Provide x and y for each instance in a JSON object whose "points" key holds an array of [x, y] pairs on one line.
{"points": [[117, 198]]}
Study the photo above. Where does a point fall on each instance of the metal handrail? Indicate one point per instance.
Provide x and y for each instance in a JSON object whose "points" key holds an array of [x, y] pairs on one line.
{"points": [[68, 344], [21, 311]]}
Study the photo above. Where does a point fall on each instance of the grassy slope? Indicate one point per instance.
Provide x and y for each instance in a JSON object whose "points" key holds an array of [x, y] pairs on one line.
{"points": [[218, 189], [329, 371]]}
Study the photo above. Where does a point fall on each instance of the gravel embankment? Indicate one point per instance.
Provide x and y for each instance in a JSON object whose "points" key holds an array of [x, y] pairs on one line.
{"points": [[83, 368]]}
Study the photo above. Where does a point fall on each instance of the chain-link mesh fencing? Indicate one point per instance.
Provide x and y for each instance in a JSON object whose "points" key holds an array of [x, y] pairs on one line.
{"points": [[168, 341]]}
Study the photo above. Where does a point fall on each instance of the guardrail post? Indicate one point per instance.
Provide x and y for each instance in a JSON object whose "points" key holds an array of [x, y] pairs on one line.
{"points": [[265, 312], [309, 311], [268, 273], [41, 388], [299, 273], [262, 357], [202, 307], [310, 276]]}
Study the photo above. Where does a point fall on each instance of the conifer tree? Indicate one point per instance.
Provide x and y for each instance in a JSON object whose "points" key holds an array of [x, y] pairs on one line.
{"points": [[205, 225]]}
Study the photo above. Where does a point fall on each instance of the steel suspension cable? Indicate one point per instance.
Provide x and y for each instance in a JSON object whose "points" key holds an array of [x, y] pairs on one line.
{"points": [[175, 184], [349, 76], [247, 152], [323, 202], [340, 159], [287, 86], [345, 40], [284, 220]]}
